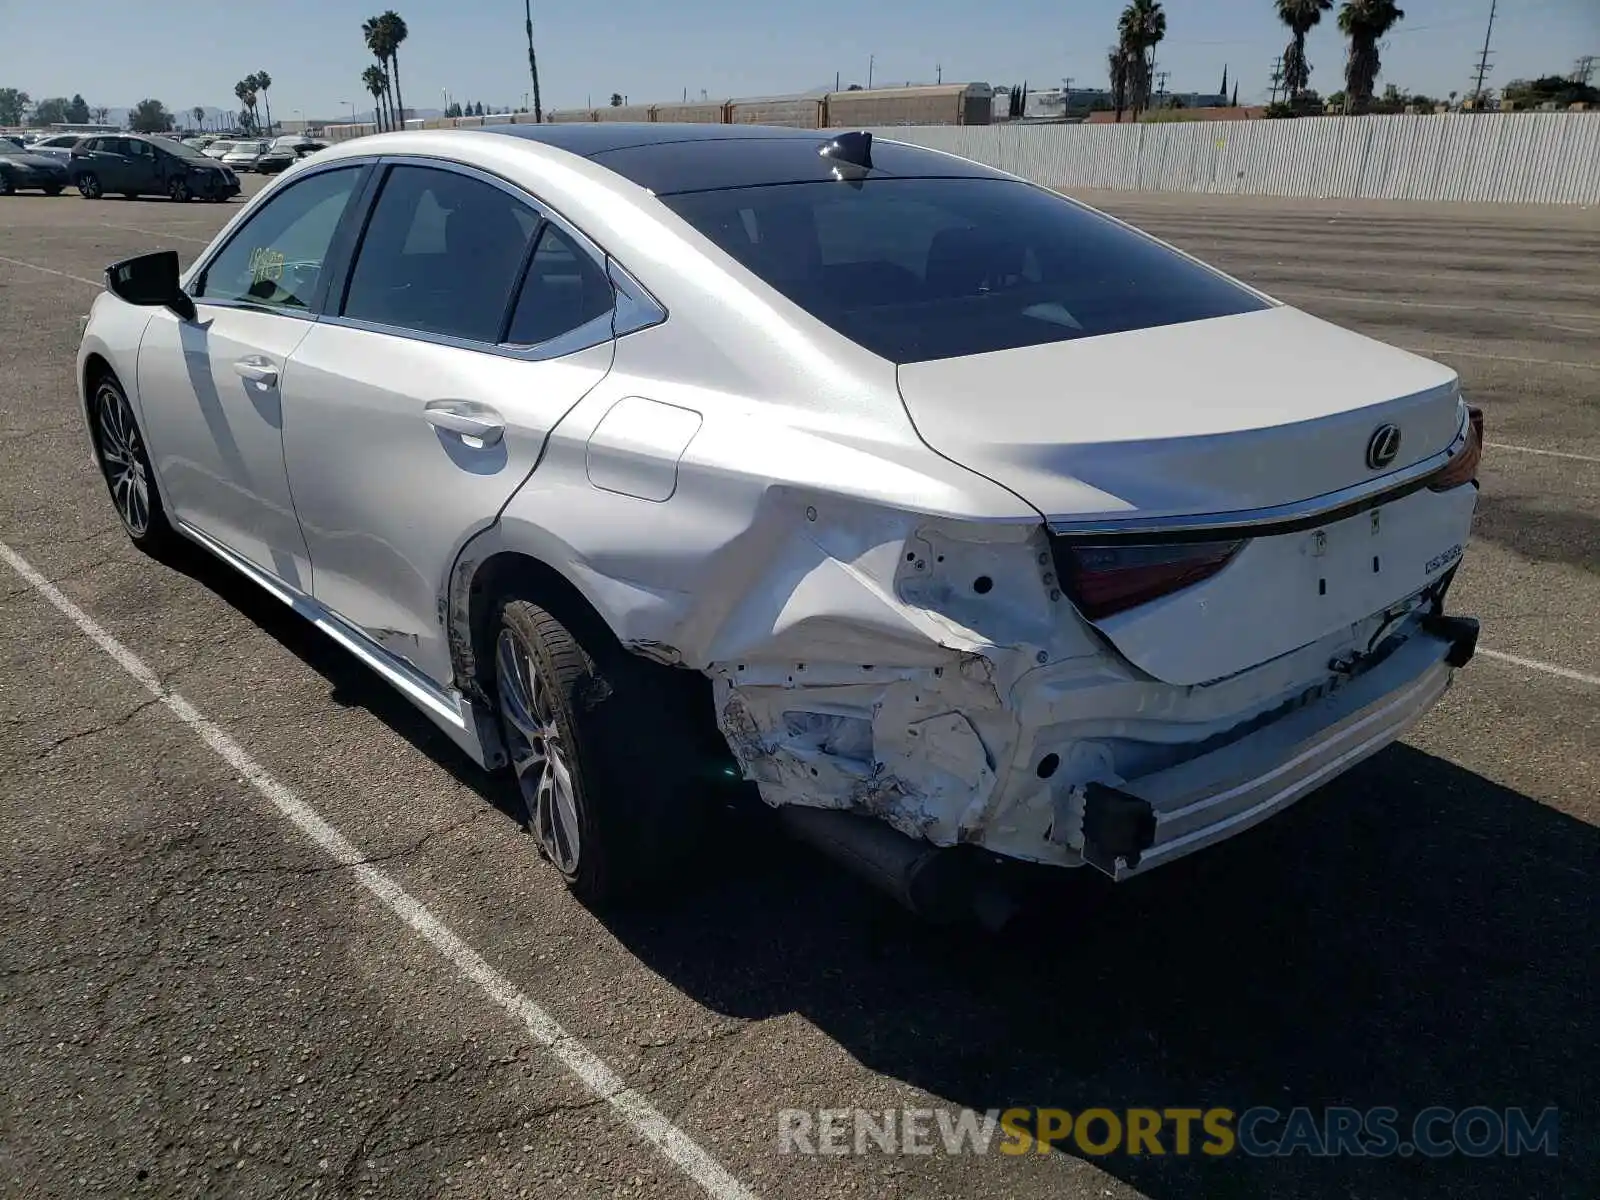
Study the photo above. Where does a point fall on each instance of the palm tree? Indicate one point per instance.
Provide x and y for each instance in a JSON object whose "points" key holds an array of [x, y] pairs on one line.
{"points": [[375, 35], [246, 92], [1301, 16], [1117, 61], [262, 82], [533, 63], [1141, 26], [1364, 22], [199, 115], [376, 82], [395, 32]]}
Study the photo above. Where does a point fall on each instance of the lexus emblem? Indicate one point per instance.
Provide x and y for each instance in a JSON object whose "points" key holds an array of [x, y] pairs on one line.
{"points": [[1383, 446]]}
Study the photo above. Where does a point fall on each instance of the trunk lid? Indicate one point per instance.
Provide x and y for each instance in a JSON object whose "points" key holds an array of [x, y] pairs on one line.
{"points": [[1231, 415]]}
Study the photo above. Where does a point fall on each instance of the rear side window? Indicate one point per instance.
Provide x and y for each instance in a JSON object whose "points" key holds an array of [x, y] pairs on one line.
{"points": [[920, 269], [564, 289], [441, 254]]}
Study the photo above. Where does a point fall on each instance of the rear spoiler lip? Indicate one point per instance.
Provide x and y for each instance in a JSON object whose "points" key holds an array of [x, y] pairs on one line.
{"points": [[1293, 517]]}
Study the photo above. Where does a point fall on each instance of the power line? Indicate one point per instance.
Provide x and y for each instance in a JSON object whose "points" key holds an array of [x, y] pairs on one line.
{"points": [[1483, 58]]}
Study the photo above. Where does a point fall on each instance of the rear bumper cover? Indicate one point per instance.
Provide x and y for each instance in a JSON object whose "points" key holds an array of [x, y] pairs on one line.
{"points": [[1127, 830]]}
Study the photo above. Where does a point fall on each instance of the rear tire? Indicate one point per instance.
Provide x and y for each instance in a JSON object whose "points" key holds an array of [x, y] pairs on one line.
{"points": [[89, 186], [603, 761], [7, 188], [178, 190], [125, 465]]}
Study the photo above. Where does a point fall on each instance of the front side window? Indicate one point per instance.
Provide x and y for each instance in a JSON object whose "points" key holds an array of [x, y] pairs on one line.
{"points": [[441, 254], [276, 258], [920, 269]]}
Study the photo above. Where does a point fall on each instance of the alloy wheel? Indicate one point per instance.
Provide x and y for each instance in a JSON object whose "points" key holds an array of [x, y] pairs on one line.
{"points": [[122, 460], [539, 753], [179, 190], [89, 185]]}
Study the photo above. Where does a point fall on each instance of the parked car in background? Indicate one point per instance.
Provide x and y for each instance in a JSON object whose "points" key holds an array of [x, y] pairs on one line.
{"points": [[218, 148], [199, 142], [140, 166], [57, 144], [276, 158], [16, 139], [245, 155], [945, 510], [22, 170]]}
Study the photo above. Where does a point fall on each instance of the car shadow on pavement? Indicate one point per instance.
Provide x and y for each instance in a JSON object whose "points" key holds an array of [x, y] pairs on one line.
{"points": [[351, 684], [1412, 935]]}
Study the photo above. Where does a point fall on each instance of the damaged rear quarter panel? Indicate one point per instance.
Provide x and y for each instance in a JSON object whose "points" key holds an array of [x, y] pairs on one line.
{"points": [[815, 558]]}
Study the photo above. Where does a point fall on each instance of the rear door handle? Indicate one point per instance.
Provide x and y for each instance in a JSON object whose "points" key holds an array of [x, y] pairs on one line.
{"points": [[257, 370], [477, 421]]}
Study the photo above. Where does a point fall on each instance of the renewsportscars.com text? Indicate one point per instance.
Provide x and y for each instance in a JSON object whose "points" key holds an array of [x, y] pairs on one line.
{"points": [[1258, 1132]]}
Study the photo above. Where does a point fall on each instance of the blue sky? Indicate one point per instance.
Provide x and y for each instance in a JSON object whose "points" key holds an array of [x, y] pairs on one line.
{"points": [[188, 52]]}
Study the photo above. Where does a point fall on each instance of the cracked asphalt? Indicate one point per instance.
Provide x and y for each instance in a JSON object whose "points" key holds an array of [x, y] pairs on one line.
{"points": [[196, 1000]]}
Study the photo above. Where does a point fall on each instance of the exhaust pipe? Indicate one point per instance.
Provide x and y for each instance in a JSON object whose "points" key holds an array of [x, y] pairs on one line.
{"points": [[934, 882]]}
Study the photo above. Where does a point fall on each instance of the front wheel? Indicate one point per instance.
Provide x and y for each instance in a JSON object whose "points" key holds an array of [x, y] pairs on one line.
{"points": [[178, 190], [126, 466], [89, 186], [7, 188]]}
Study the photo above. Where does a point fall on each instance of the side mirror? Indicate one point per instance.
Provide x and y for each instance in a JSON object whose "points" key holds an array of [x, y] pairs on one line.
{"points": [[151, 281]]}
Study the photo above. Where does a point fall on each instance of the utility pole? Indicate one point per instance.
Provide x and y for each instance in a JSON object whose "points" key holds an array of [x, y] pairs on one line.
{"points": [[1483, 58], [938, 73], [1161, 82], [872, 60], [533, 63], [1277, 78], [1583, 70]]}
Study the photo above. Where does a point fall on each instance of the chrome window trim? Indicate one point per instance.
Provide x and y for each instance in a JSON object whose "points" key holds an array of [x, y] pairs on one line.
{"points": [[1279, 518], [590, 333], [266, 310]]}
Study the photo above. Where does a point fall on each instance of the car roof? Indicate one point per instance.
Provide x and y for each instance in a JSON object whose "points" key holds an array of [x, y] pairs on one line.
{"points": [[673, 158]]}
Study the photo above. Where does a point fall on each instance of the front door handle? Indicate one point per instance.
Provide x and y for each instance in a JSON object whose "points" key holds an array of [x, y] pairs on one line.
{"points": [[476, 421], [257, 370]]}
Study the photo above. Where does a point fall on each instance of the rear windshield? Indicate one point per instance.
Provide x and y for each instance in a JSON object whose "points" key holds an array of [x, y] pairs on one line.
{"points": [[920, 269]]}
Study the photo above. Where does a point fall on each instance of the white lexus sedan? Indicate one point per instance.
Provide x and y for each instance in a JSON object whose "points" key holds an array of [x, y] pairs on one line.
{"points": [[945, 511]]}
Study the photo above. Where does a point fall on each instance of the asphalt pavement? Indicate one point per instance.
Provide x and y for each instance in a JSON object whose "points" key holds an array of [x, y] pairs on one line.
{"points": [[199, 996]]}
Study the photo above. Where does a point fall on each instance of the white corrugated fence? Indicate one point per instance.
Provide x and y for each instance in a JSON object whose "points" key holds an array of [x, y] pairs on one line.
{"points": [[1538, 158]]}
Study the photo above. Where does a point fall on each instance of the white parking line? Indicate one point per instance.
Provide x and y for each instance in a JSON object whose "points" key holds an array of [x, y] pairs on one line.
{"points": [[1534, 664], [600, 1079], [17, 262], [158, 233], [1589, 458]]}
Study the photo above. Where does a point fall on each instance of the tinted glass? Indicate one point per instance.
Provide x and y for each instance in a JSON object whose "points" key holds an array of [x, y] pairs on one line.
{"points": [[564, 288], [276, 258], [441, 254], [918, 269]]}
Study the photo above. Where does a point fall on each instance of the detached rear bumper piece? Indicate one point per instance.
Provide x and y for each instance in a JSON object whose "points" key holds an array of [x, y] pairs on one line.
{"points": [[1126, 830]]}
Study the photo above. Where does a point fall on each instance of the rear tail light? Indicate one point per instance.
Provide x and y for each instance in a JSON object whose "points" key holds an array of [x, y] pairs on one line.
{"points": [[1463, 468], [1110, 578]]}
